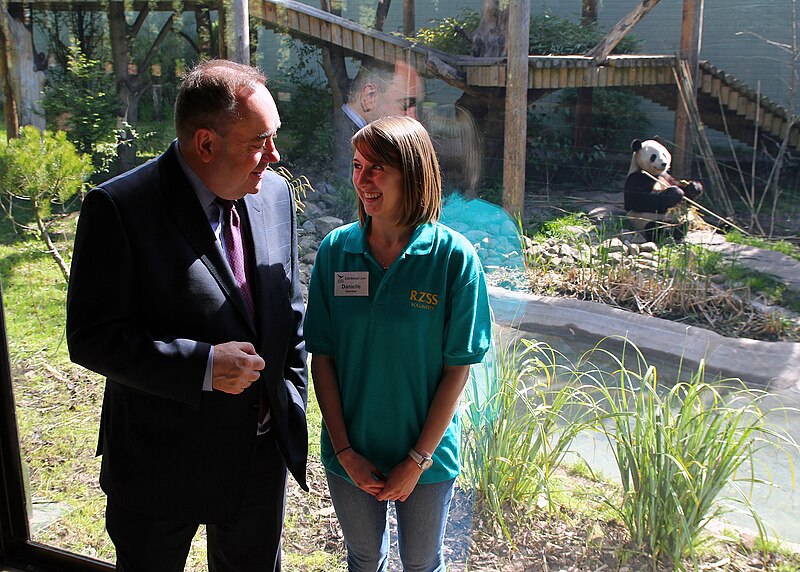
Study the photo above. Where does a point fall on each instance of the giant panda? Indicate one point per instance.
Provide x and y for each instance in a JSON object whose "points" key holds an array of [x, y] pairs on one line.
{"points": [[650, 191]]}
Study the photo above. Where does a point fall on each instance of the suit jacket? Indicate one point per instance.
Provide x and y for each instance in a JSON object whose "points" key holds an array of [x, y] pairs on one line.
{"points": [[150, 292]]}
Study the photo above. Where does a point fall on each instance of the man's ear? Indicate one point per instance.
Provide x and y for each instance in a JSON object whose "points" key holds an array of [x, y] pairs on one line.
{"points": [[205, 143], [369, 96]]}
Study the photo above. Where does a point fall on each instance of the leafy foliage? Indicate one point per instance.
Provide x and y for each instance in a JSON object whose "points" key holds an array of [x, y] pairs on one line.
{"points": [[548, 35], [451, 34], [307, 132], [81, 100], [558, 36], [42, 169], [42, 166]]}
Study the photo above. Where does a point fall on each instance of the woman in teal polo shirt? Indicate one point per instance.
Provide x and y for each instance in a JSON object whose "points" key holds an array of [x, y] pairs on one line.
{"points": [[397, 313]]}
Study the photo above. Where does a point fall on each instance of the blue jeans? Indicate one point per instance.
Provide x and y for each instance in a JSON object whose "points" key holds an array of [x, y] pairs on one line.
{"points": [[421, 521]]}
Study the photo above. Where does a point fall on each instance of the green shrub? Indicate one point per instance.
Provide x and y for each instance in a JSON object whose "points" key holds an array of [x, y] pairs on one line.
{"points": [[451, 35], [520, 417], [676, 449], [42, 169], [82, 101]]}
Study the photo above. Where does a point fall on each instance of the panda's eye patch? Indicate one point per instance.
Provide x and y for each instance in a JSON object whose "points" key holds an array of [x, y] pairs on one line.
{"points": [[653, 158]]}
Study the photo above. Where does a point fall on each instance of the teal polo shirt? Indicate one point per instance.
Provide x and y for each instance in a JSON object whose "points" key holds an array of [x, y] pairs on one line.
{"points": [[391, 332]]}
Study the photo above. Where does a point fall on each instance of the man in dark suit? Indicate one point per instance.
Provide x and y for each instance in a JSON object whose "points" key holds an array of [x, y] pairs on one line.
{"points": [[192, 309]]}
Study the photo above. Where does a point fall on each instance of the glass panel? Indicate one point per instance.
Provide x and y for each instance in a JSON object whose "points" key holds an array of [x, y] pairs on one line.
{"points": [[577, 145], [58, 403]]}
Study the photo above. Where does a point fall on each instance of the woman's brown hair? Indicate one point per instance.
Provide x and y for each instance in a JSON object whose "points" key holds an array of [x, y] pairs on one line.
{"points": [[403, 143]]}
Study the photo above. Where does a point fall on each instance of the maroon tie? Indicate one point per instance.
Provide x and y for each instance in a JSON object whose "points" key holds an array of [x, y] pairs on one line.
{"points": [[237, 259], [234, 250]]}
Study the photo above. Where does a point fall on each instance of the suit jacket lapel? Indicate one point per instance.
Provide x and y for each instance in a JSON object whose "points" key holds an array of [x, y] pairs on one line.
{"points": [[183, 207]]}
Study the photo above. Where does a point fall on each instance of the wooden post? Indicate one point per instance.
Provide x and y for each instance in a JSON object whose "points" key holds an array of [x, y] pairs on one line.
{"points": [[690, 49], [237, 34], [585, 96], [409, 18], [516, 108]]}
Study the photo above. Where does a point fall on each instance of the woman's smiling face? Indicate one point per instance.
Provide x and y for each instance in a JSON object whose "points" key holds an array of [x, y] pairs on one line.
{"points": [[379, 187]]}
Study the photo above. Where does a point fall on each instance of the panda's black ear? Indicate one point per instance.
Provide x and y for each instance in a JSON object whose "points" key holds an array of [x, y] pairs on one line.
{"points": [[636, 144], [657, 139]]}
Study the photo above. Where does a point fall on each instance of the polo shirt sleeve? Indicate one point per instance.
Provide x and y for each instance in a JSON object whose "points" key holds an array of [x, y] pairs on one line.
{"points": [[317, 325], [469, 329]]}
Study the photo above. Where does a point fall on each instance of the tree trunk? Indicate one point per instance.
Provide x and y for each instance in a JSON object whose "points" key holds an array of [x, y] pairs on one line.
{"points": [[52, 250], [489, 39], [27, 83], [205, 35], [130, 79], [237, 32], [488, 109], [9, 102], [380, 13], [409, 18], [127, 113], [589, 13]]}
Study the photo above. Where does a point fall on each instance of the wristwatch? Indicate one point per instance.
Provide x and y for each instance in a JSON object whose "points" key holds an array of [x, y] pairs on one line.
{"points": [[424, 463]]}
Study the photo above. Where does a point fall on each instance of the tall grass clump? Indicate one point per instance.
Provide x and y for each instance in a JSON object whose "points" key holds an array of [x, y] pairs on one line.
{"points": [[679, 451], [522, 412]]}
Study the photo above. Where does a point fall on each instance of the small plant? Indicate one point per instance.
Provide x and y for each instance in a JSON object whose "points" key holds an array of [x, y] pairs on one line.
{"points": [[520, 418], [41, 168], [676, 449], [299, 185], [568, 226]]}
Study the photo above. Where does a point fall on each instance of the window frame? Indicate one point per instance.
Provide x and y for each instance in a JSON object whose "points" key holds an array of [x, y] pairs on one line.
{"points": [[16, 547]]}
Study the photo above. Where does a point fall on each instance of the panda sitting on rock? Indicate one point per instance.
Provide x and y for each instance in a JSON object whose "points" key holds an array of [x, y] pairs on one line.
{"points": [[651, 193]]}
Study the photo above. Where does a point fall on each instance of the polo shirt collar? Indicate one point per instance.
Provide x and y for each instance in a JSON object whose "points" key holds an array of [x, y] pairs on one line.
{"points": [[421, 241]]}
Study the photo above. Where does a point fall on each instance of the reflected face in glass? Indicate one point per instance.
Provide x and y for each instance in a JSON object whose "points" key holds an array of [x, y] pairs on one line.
{"points": [[379, 188], [401, 96]]}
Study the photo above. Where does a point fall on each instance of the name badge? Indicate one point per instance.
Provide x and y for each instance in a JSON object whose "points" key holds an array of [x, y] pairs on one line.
{"points": [[351, 283]]}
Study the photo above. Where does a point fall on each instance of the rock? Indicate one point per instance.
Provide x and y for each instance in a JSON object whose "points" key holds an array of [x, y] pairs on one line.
{"points": [[309, 258], [648, 247], [312, 211], [308, 244], [614, 245], [309, 227], [326, 224]]}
